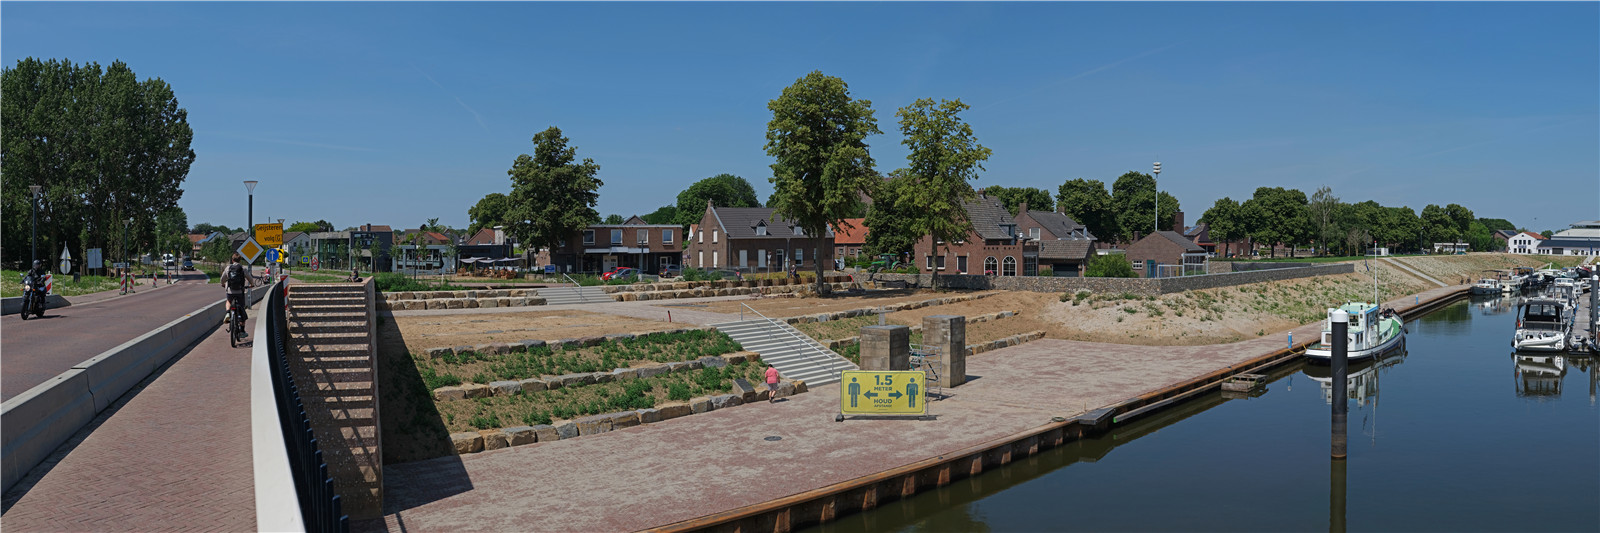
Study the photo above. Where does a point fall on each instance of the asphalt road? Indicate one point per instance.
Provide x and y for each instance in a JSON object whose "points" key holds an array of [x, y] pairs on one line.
{"points": [[38, 349]]}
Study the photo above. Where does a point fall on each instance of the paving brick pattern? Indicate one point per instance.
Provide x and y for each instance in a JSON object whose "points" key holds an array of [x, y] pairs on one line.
{"points": [[176, 455]]}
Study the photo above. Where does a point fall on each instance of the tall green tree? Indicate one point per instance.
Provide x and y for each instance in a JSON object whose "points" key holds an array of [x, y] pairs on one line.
{"points": [[1275, 215], [205, 228], [1225, 223], [667, 214], [892, 232], [1480, 239], [493, 210], [1133, 198], [172, 232], [944, 157], [106, 147], [724, 190], [1323, 213], [1088, 202], [1497, 224], [1402, 228], [1438, 225], [1461, 218], [304, 227], [552, 194], [1109, 266], [1013, 198], [817, 136], [614, 219]]}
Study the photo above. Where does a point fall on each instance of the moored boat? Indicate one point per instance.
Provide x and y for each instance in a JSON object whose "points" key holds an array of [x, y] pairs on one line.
{"points": [[1372, 331], [1542, 325]]}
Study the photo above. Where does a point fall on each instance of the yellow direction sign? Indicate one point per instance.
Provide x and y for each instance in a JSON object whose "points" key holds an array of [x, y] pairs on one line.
{"points": [[270, 235], [878, 392], [250, 250]]}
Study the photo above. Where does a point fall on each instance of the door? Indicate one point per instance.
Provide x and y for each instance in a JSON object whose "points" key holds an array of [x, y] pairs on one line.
{"points": [[610, 263]]}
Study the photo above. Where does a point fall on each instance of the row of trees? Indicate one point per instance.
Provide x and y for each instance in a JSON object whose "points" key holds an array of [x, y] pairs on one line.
{"points": [[1274, 215], [110, 152]]}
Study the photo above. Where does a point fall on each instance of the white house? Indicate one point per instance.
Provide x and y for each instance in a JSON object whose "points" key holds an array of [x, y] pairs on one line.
{"points": [[1526, 243], [1582, 239]]}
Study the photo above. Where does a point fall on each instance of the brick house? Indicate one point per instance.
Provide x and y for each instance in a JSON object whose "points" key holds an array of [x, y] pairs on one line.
{"points": [[633, 243], [1064, 245], [849, 237], [993, 246], [752, 239], [1166, 248]]}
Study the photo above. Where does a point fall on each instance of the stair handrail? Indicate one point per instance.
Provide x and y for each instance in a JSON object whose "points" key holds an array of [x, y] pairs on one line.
{"points": [[576, 288], [807, 342]]}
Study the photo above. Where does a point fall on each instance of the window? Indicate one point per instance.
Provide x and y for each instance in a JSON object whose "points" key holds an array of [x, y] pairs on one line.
{"points": [[939, 262], [616, 236], [588, 236], [644, 237], [666, 236], [1138, 265], [761, 229], [930, 263], [700, 259], [990, 266], [1010, 266], [714, 259], [798, 231], [799, 256], [701, 238], [961, 264], [761, 258], [1033, 233], [714, 234], [744, 258]]}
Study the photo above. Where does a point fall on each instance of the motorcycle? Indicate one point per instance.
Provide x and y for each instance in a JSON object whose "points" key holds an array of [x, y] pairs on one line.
{"points": [[34, 293]]}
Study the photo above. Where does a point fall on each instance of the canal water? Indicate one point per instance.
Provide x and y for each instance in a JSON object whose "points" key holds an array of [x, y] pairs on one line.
{"points": [[1454, 433]]}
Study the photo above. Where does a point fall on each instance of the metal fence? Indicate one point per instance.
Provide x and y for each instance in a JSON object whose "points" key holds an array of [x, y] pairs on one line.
{"points": [[320, 508]]}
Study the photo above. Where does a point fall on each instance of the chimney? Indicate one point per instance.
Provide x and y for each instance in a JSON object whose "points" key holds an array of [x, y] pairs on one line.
{"points": [[499, 235], [1023, 209], [1177, 223]]}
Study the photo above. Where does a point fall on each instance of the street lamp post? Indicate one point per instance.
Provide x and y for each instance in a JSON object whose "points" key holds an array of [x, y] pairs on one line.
{"points": [[250, 189], [1157, 171], [33, 200]]}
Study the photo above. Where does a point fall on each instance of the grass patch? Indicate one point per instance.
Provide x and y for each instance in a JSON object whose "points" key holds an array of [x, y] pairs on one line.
{"points": [[61, 284], [837, 328], [453, 369]]}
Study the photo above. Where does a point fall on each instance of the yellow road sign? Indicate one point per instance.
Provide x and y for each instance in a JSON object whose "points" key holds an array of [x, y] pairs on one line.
{"points": [[250, 250], [269, 235], [878, 392]]}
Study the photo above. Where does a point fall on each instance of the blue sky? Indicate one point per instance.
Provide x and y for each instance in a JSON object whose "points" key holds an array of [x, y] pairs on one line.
{"points": [[393, 113]]}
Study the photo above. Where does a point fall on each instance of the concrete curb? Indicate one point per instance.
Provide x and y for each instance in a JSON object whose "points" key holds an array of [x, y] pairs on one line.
{"points": [[34, 423], [13, 305]]}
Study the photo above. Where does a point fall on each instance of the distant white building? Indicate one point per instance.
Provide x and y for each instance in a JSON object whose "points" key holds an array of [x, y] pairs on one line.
{"points": [[1450, 247], [1525, 243], [1582, 239]]}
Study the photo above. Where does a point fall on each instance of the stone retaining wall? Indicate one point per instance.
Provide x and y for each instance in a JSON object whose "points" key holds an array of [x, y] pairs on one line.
{"points": [[721, 284], [1139, 286], [890, 308], [420, 300], [469, 391], [836, 344], [704, 292], [499, 348], [975, 349], [493, 439]]}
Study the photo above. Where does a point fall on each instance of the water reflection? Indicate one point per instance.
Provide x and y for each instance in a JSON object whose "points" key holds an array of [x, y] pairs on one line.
{"points": [[1539, 375]]}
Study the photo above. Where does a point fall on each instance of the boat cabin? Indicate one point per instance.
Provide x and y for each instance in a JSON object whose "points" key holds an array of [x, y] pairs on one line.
{"points": [[1363, 325], [1542, 313]]}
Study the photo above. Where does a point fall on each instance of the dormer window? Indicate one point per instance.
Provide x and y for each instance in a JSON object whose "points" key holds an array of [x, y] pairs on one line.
{"points": [[761, 228], [799, 231]]}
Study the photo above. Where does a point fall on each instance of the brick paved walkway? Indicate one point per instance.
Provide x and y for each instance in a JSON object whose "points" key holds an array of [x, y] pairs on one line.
{"points": [[175, 454], [658, 474]]}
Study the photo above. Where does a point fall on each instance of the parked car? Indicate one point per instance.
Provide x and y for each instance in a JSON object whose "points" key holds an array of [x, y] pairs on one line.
{"points": [[671, 271], [619, 273], [188, 264]]}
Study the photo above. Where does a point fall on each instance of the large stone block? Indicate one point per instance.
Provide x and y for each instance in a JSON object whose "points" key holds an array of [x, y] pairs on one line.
{"points": [[744, 390], [463, 349], [624, 419], [530, 344], [602, 377], [712, 361], [566, 430], [476, 390], [623, 374], [506, 388], [520, 435], [532, 385], [488, 302], [468, 303], [546, 433], [455, 303], [443, 394], [652, 370], [466, 442], [948, 334], [436, 304], [675, 410], [573, 380], [551, 382], [724, 401], [493, 439], [648, 416], [593, 425], [438, 353], [700, 405], [799, 386], [885, 348]]}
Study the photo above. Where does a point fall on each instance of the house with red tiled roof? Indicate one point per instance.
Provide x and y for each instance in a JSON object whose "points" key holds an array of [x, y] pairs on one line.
{"points": [[849, 236], [1526, 243]]}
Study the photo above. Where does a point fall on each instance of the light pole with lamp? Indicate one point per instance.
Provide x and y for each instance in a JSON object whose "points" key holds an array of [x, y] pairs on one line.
{"points": [[33, 200], [1153, 183]]}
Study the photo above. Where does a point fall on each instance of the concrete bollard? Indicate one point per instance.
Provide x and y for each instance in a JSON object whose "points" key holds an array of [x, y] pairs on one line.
{"points": [[1341, 397], [949, 334]]}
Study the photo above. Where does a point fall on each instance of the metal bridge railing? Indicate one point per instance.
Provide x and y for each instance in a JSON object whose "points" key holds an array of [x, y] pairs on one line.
{"points": [[293, 489]]}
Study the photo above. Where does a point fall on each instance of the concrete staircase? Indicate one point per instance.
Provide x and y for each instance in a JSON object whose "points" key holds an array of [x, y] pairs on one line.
{"points": [[333, 355], [1413, 271], [795, 355], [574, 295]]}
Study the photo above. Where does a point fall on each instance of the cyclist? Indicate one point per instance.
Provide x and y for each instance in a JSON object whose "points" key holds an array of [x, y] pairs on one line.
{"points": [[234, 281]]}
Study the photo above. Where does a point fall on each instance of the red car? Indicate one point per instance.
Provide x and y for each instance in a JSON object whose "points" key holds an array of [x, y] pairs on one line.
{"points": [[619, 273]]}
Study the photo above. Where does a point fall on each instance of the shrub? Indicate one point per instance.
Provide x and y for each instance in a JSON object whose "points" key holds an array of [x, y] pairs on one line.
{"points": [[1047, 271], [484, 421], [678, 392], [536, 417], [1110, 266]]}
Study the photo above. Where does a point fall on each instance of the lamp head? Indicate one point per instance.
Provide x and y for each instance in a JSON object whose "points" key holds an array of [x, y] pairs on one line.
{"points": [[250, 186]]}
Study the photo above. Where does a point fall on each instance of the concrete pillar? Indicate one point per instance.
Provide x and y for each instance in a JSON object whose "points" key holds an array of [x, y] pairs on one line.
{"points": [[948, 333], [886, 348]]}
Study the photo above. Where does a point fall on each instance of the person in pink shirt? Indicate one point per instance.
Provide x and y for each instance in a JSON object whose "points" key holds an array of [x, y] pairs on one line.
{"points": [[772, 384]]}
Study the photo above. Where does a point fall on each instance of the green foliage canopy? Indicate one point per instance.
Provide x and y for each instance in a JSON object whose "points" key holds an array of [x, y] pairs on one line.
{"points": [[1013, 198], [491, 211], [1088, 202], [1225, 221], [892, 232], [552, 194], [1132, 199], [944, 156], [1277, 215], [724, 190], [1109, 266]]}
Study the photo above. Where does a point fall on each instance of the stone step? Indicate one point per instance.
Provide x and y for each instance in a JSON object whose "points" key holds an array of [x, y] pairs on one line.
{"points": [[337, 362], [337, 375]]}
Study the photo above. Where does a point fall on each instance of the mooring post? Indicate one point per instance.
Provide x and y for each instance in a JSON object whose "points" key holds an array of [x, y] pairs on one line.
{"points": [[1594, 308], [1341, 356], [1336, 496]]}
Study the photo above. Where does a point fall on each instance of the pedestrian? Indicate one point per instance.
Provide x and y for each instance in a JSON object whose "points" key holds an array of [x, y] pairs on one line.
{"points": [[772, 384]]}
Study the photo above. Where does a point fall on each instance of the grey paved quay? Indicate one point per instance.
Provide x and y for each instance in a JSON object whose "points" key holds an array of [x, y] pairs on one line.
{"points": [[173, 454], [658, 474]]}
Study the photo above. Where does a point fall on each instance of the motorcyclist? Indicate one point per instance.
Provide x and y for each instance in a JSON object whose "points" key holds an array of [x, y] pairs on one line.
{"points": [[234, 281], [36, 275]]}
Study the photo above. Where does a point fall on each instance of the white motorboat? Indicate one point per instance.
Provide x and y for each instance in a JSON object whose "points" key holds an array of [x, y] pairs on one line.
{"points": [[1542, 326], [1486, 286], [1372, 331]]}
